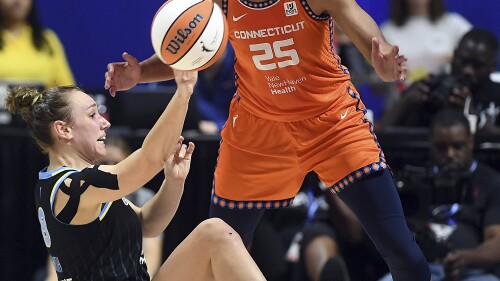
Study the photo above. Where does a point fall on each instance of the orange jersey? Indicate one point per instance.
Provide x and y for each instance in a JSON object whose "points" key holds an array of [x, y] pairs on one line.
{"points": [[286, 65]]}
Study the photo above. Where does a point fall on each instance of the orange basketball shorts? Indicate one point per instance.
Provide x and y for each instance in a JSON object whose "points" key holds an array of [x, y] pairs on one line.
{"points": [[262, 163]]}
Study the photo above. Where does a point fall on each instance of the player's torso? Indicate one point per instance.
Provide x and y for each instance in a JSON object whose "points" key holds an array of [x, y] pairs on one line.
{"points": [[91, 251], [286, 66]]}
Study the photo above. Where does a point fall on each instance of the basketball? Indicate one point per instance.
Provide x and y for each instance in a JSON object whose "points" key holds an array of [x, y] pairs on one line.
{"points": [[189, 34]]}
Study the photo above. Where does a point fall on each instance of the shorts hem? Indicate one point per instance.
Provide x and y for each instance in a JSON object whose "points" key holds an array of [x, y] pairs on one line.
{"points": [[247, 205], [358, 175]]}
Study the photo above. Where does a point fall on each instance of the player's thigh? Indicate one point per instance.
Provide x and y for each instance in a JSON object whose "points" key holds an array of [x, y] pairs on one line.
{"points": [[257, 161], [247, 176], [347, 160], [339, 144]]}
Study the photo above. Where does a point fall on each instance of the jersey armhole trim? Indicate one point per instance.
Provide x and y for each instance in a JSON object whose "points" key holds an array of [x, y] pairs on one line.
{"points": [[56, 187], [309, 11], [43, 175], [105, 210]]}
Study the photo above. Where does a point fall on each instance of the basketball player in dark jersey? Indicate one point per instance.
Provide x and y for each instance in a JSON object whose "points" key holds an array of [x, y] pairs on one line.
{"points": [[90, 230]]}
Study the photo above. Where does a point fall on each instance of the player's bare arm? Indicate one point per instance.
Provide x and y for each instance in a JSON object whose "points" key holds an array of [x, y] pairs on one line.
{"points": [[122, 76], [366, 35], [159, 144], [154, 70], [159, 211]]}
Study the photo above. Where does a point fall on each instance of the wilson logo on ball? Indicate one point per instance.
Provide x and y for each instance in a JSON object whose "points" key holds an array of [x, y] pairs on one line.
{"points": [[182, 34]]}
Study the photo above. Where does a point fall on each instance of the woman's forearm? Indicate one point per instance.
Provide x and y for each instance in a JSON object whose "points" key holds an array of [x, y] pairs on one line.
{"points": [[159, 211], [161, 140], [154, 70]]}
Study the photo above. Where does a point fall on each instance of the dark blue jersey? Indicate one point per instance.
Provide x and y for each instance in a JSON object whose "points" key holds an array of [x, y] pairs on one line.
{"points": [[108, 248]]}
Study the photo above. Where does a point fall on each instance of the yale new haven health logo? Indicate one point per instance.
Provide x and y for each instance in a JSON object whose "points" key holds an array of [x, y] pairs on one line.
{"points": [[290, 9]]}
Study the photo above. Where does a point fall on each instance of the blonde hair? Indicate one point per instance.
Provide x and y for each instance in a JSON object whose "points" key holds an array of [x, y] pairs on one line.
{"points": [[40, 110]]}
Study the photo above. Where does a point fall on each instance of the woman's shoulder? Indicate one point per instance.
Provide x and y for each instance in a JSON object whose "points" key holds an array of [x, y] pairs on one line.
{"points": [[455, 18], [455, 25], [51, 36]]}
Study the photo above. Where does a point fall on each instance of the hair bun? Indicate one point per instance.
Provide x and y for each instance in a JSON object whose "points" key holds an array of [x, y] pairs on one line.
{"points": [[22, 100]]}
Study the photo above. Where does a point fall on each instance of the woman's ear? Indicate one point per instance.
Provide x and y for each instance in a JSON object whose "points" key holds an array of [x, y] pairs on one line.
{"points": [[62, 130]]}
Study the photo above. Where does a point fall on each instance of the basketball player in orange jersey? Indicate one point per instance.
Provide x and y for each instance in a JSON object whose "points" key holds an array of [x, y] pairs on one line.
{"points": [[295, 111]]}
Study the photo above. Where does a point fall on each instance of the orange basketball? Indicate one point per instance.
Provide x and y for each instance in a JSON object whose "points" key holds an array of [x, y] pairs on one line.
{"points": [[189, 34]]}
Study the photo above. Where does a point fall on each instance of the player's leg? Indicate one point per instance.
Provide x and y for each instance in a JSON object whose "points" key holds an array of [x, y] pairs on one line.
{"points": [[375, 201], [348, 157], [243, 221], [213, 251]]}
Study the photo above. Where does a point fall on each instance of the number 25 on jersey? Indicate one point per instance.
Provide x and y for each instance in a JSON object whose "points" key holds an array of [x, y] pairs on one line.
{"points": [[287, 57]]}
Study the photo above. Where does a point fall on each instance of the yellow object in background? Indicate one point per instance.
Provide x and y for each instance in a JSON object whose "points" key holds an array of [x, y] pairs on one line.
{"points": [[21, 62]]}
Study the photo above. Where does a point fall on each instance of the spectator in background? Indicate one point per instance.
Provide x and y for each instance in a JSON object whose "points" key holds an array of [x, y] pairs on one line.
{"points": [[468, 87], [214, 90], [460, 230], [30, 53], [426, 33]]}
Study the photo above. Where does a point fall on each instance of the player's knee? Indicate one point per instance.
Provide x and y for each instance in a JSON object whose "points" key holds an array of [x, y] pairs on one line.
{"points": [[215, 231]]}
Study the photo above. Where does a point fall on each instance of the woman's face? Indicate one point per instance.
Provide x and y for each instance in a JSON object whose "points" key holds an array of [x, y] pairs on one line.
{"points": [[15, 10], [88, 127]]}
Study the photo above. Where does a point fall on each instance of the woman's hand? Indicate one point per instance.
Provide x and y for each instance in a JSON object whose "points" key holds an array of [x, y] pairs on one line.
{"points": [[177, 165], [185, 81], [388, 63], [122, 75]]}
